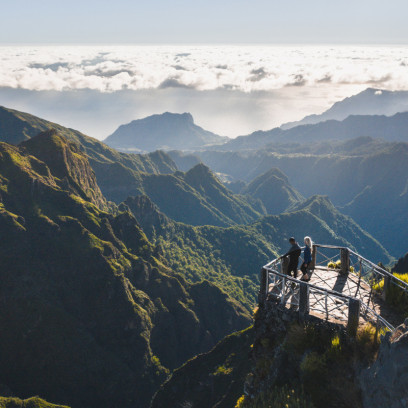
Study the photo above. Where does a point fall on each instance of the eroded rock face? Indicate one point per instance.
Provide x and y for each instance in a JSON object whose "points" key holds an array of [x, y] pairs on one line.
{"points": [[385, 383]]}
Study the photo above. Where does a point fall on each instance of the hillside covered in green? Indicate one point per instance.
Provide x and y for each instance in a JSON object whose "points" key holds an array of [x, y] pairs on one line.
{"points": [[231, 257], [33, 402], [367, 181], [196, 197], [16, 127], [91, 316], [274, 190]]}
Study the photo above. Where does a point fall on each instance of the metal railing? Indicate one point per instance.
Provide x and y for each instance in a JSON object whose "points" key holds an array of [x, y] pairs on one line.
{"points": [[356, 264], [327, 303]]}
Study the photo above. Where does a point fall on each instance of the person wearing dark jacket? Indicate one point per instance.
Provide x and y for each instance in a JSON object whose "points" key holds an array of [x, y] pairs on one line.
{"points": [[293, 254], [307, 259]]}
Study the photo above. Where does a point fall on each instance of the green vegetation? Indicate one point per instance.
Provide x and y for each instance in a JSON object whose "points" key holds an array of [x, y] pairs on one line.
{"points": [[278, 397], [17, 127], [337, 265], [274, 190], [194, 198], [212, 379], [325, 359], [395, 296], [33, 402], [355, 176], [230, 257], [86, 298], [225, 256]]}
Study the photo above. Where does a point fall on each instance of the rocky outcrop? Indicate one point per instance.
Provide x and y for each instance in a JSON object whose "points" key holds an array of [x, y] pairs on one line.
{"points": [[384, 384]]}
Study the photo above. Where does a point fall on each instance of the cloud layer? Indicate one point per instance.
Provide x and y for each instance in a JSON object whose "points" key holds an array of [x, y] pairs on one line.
{"points": [[241, 68]]}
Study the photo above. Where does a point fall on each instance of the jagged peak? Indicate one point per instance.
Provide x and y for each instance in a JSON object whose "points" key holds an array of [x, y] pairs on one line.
{"points": [[272, 172], [315, 202], [201, 174], [201, 169]]}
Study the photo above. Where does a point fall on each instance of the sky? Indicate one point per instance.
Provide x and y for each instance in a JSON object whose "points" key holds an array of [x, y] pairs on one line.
{"points": [[209, 21], [236, 65]]}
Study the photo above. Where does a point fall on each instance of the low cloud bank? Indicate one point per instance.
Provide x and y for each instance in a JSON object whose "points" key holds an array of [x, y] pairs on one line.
{"points": [[202, 68]]}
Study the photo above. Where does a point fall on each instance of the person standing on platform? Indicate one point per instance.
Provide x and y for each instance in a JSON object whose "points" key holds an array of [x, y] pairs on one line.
{"points": [[293, 254], [307, 259]]}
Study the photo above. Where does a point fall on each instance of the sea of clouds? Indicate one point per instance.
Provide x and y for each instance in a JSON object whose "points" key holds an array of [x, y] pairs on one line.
{"points": [[230, 90], [240, 68]]}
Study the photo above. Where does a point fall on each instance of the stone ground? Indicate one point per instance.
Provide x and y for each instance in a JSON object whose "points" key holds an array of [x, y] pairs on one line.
{"points": [[331, 279]]}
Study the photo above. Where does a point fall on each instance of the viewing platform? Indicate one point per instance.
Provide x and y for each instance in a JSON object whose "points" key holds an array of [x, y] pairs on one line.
{"points": [[344, 288]]}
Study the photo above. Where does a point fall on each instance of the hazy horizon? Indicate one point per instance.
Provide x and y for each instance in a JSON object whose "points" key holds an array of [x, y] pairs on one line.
{"points": [[230, 90]]}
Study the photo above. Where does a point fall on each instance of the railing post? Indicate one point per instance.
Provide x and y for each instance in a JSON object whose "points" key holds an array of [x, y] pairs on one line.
{"points": [[345, 261], [303, 300], [284, 265], [263, 290], [314, 253], [353, 316], [387, 281]]}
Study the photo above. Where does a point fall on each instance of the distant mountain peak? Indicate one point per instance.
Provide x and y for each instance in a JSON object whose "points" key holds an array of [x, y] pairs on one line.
{"points": [[371, 101], [274, 171], [186, 116], [166, 131]]}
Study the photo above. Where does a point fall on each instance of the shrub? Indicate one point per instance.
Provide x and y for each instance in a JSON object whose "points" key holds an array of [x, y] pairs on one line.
{"points": [[368, 341], [395, 296], [240, 402], [337, 265], [334, 351], [223, 370], [278, 397], [314, 367], [255, 312], [301, 338]]}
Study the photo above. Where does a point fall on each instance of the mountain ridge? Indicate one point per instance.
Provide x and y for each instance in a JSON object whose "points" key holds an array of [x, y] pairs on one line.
{"points": [[387, 128], [91, 301], [371, 101]]}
